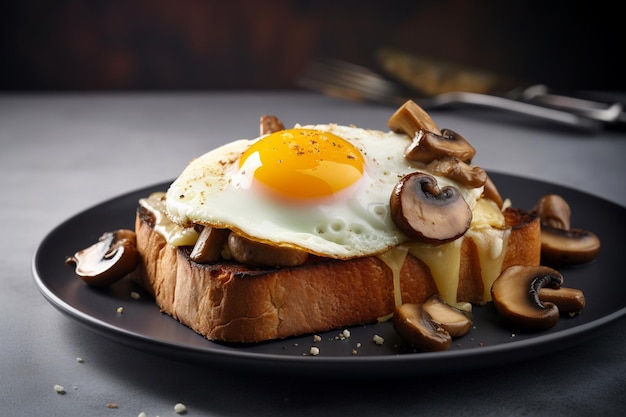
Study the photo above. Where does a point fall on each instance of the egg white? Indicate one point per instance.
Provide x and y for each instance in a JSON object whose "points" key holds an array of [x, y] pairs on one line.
{"points": [[356, 223]]}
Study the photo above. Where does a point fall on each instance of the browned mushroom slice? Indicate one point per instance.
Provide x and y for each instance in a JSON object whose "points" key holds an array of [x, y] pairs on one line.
{"points": [[270, 124], [108, 260], [253, 253], [449, 318], [491, 192], [569, 300], [459, 171], [515, 295], [427, 213], [208, 247], [568, 247], [415, 325], [410, 118], [553, 211], [427, 146]]}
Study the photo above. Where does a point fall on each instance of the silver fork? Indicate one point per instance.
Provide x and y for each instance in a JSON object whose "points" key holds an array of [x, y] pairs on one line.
{"points": [[355, 82]]}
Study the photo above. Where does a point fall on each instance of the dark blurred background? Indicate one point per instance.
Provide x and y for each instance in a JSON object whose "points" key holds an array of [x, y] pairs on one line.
{"points": [[240, 44]]}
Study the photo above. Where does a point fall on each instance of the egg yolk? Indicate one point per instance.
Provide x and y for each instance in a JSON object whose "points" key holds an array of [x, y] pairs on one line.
{"points": [[303, 164]]}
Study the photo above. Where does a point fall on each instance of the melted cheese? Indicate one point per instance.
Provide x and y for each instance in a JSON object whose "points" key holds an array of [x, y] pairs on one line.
{"points": [[444, 262], [394, 259], [491, 245], [488, 231], [173, 233]]}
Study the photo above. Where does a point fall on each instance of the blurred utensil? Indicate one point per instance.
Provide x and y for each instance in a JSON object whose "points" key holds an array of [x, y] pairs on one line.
{"points": [[432, 76], [355, 82]]}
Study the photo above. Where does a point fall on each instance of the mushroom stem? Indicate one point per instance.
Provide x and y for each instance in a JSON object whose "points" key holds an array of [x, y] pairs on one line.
{"points": [[569, 300]]}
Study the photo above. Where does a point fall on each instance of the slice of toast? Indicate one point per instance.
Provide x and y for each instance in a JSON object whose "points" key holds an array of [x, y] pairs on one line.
{"points": [[233, 303]]}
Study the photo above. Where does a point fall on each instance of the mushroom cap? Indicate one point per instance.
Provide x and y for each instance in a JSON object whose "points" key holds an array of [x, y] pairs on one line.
{"points": [[427, 213], [459, 171], [255, 253], [270, 124], [553, 211], [415, 325], [449, 318], [515, 295], [208, 247], [427, 146], [410, 118], [568, 247], [107, 261]]}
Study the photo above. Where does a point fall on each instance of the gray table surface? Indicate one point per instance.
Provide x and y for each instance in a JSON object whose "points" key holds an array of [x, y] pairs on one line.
{"points": [[62, 153]]}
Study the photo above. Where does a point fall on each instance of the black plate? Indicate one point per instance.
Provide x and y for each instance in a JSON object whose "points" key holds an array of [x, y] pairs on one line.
{"points": [[142, 326]]}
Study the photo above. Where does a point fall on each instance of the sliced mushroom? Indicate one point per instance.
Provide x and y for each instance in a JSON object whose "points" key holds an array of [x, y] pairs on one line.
{"points": [[459, 171], [569, 300], [416, 326], [270, 124], [568, 247], [108, 260], [427, 213], [410, 118], [449, 318], [515, 295], [249, 252], [208, 247], [554, 211], [491, 192], [561, 245], [427, 146]]}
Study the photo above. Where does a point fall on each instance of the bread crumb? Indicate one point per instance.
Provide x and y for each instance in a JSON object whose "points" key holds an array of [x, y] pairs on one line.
{"points": [[317, 338], [120, 310], [135, 295], [111, 405], [142, 414], [79, 360], [180, 408], [343, 335], [378, 340], [59, 389], [314, 351]]}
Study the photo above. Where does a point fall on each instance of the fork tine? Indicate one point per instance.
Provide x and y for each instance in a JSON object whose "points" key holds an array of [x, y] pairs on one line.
{"points": [[347, 80]]}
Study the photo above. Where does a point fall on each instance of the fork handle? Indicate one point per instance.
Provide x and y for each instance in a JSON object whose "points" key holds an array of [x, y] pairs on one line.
{"points": [[501, 103]]}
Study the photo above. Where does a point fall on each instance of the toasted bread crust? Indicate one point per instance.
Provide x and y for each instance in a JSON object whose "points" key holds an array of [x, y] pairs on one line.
{"points": [[524, 245], [233, 303]]}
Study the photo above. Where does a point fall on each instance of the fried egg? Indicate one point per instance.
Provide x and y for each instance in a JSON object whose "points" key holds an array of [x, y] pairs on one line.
{"points": [[324, 189]]}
